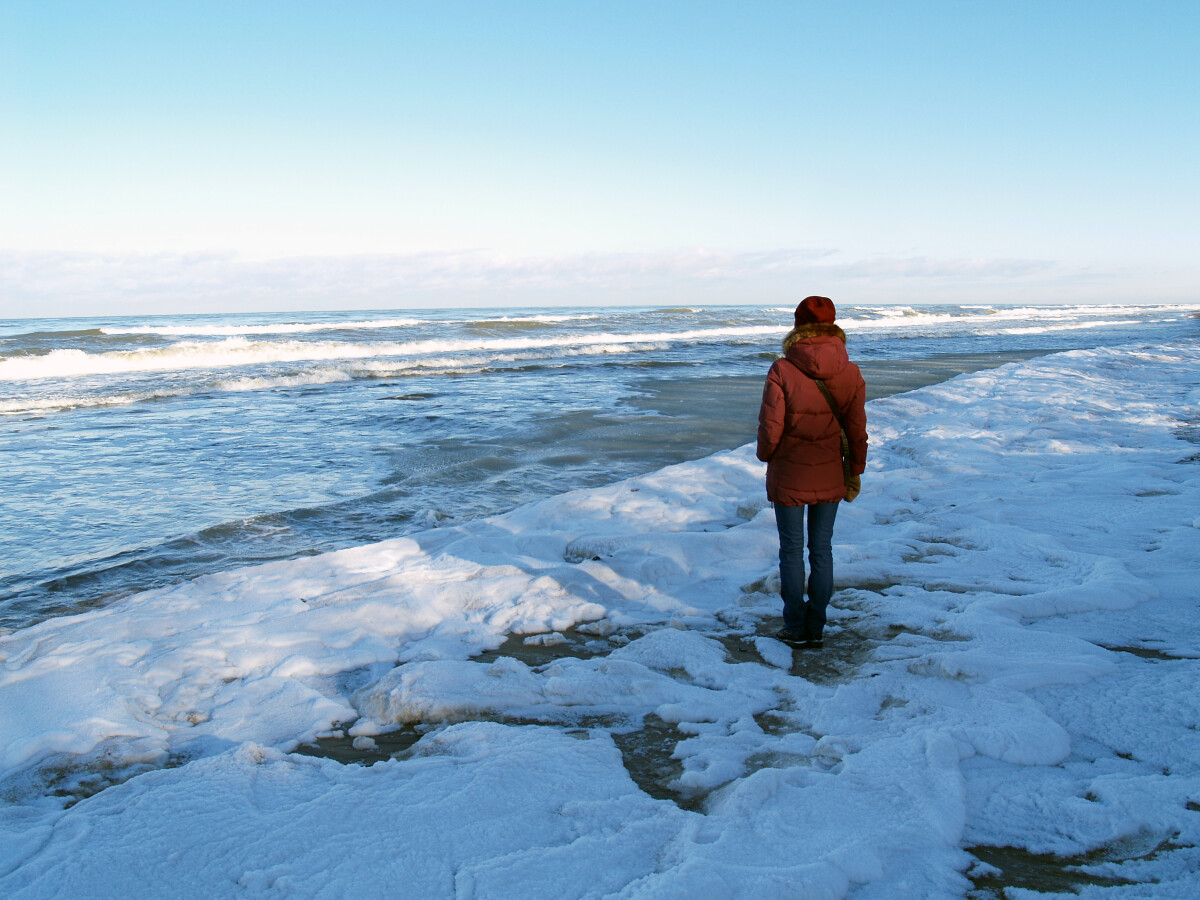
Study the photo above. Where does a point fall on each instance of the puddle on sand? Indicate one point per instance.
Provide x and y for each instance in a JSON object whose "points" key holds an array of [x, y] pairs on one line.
{"points": [[581, 644], [739, 649], [647, 754], [1012, 867], [839, 660], [1145, 653], [646, 751], [73, 782], [384, 746]]}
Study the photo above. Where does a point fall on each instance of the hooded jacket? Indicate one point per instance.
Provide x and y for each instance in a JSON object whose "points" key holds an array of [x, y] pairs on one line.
{"points": [[798, 436]]}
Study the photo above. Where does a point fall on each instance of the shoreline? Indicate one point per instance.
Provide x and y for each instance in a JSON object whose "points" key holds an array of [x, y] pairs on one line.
{"points": [[884, 378], [669, 421], [887, 377], [723, 410]]}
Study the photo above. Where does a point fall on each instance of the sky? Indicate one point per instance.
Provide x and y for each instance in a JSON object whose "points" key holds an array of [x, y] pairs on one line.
{"points": [[227, 156]]}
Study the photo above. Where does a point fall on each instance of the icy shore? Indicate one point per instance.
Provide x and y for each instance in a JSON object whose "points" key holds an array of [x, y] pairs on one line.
{"points": [[1017, 611]]}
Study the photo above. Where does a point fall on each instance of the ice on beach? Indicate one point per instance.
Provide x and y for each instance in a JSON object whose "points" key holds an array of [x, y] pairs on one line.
{"points": [[1013, 661]]}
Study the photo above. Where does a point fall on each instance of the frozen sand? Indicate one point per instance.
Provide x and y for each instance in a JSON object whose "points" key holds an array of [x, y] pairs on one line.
{"points": [[1020, 567]]}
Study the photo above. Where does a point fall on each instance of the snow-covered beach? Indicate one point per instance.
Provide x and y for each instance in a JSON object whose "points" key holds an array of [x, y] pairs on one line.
{"points": [[1014, 663], [380, 510]]}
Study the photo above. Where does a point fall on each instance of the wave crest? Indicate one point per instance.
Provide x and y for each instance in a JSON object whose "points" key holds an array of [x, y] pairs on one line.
{"points": [[238, 351]]}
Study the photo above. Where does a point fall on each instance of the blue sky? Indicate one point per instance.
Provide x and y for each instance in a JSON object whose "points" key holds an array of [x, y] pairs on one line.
{"points": [[197, 156]]}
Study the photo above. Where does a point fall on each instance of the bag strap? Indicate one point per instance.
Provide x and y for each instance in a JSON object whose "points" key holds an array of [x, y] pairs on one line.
{"points": [[847, 455], [837, 413]]}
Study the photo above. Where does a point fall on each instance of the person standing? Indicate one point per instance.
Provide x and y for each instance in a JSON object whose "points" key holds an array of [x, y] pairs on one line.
{"points": [[800, 440]]}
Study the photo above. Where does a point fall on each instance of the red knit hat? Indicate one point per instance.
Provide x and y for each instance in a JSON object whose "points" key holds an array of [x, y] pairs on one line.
{"points": [[815, 309]]}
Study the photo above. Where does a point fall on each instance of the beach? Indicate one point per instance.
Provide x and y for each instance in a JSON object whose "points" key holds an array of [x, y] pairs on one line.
{"points": [[247, 438], [380, 505], [579, 695]]}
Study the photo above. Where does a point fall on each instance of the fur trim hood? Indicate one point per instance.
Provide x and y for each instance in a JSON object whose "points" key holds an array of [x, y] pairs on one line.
{"points": [[811, 330]]}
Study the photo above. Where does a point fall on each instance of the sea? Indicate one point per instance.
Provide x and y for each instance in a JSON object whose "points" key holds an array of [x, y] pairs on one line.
{"points": [[141, 451]]}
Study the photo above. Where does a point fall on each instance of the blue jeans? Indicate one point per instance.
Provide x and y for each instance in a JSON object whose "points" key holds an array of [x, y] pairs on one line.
{"points": [[808, 618]]}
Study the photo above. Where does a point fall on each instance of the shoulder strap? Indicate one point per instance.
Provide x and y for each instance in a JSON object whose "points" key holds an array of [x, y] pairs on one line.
{"points": [[837, 413]]}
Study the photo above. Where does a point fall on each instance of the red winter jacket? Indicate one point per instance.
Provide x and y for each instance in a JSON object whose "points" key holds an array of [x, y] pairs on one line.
{"points": [[798, 437]]}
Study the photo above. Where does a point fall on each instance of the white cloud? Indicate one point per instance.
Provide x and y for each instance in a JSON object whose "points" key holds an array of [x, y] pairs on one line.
{"points": [[76, 283]]}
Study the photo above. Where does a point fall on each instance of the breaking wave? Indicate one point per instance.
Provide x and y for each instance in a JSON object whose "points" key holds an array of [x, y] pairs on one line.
{"points": [[238, 351], [205, 330]]}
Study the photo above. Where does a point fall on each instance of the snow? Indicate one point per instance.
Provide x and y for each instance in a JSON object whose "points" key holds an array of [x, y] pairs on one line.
{"points": [[1013, 661]]}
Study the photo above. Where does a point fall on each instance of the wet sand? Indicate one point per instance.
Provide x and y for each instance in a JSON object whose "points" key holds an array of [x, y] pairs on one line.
{"points": [[710, 414], [883, 379]]}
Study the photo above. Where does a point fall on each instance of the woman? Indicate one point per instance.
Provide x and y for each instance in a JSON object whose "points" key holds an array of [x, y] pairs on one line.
{"points": [[800, 441]]}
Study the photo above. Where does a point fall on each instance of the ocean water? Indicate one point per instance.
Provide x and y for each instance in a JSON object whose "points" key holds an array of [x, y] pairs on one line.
{"points": [[142, 451]]}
